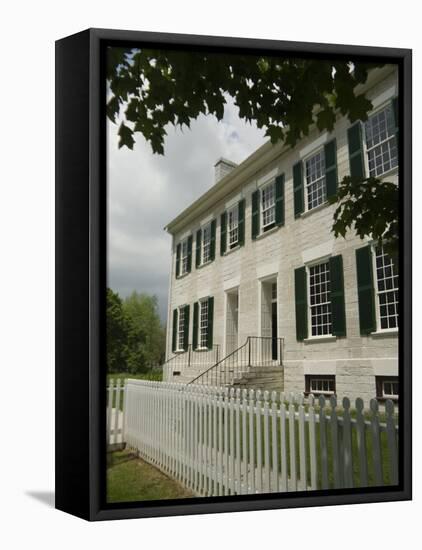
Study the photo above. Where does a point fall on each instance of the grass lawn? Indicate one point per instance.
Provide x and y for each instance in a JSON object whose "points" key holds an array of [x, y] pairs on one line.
{"points": [[131, 479], [153, 375]]}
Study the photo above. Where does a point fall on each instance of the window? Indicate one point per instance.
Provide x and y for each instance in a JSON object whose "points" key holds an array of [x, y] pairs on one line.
{"points": [[319, 299], [273, 292], [181, 329], [184, 257], [315, 180], [387, 387], [203, 324], [320, 384], [381, 144], [233, 226], [206, 244], [387, 289], [268, 206]]}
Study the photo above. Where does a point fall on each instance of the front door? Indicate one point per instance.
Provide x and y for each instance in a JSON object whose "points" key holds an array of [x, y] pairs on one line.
{"points": [[274, 347], [232, 322]]}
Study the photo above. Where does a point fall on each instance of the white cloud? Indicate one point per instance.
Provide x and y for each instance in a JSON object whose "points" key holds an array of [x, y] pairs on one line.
{"points": [[146, 191]]}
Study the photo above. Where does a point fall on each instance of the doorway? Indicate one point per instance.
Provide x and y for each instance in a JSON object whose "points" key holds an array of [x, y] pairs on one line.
{"points": [[269, 321], [232, 321]]}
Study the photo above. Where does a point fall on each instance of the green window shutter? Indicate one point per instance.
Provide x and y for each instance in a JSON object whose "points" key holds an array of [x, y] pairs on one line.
{"points": [[338, 311], [366, 295], [301, 303], [186, 329], [212, 244], [279, 200], [189, 253], [354, 138], [198, 248], [178, 253], [210, 322], [195, 325], [298, 191], [241, 226], [223, 233], [174, 338], [255, 214], [330, 153]]}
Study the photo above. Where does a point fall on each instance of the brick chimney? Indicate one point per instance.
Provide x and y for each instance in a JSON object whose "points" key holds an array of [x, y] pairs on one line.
{"points": [[222, 167]]}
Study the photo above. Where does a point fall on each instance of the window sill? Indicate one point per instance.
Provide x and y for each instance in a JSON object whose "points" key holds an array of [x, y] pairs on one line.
{"points": [[320, 339], [182, 276], [263, 234], [230, 250], [313, 210], [388, 333], [205, 265], [201, 349], [179, 351]]}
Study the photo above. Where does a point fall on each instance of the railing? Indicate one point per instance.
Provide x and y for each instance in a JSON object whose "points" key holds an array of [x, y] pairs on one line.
{"points": [[199, 358], [257, 351], [218, 441]]}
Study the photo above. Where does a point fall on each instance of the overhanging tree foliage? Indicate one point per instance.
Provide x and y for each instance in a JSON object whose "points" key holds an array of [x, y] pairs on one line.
{"points": [[150, 89]]}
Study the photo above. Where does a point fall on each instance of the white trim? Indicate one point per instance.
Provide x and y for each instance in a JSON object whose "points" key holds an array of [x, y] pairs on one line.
{"points": [[263, 180], [206, 221], [314, 153], [313, 146], [320, 339], [383, 97], [385, 333], [375, 110], [319, 252], [233, 201], [184, 236], [268, 232]]}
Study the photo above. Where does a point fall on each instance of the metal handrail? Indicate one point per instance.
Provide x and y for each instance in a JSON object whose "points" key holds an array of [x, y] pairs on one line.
{"points": [[256, 351], [190, 356]]}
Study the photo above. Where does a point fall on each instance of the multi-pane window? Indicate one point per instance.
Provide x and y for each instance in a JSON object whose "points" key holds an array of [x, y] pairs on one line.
{"points": [[381, 143], [181, 329], [206, 244], [203, 324], [184, 257], [315, 180], [387, 285], [273, 292], [233, 226], [387, 387], [268, 206], [319, 299], [390, 388], [321, 385]]}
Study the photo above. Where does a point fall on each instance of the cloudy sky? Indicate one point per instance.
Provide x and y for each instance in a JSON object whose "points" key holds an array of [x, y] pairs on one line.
{"points": [[146, 191]]}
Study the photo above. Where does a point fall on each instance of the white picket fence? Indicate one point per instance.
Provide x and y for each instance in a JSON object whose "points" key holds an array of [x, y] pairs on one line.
{"points": [[218, 441], [115, 401]]}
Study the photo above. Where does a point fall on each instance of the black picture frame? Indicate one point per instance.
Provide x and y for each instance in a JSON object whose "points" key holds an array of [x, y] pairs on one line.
{"points": [[81, 272]]}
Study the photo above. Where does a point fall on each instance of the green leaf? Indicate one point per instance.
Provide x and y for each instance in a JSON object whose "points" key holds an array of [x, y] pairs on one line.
{"points": [[126, 136]]}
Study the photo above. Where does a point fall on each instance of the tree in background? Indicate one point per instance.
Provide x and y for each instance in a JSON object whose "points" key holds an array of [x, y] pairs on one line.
{"points": [[146, 336], [135, 335], [149, 89], [117, 328]]}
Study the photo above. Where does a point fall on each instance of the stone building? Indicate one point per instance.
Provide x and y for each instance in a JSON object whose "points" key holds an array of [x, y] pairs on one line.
{"points": [[258, 278]]}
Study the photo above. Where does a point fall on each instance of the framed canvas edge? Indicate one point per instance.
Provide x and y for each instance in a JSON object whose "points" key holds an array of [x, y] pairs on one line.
{"points": [[96, 209]]}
